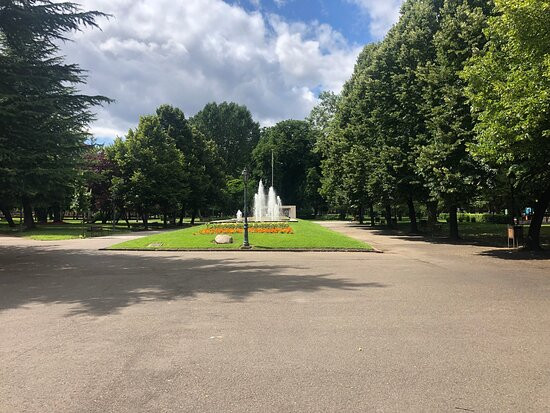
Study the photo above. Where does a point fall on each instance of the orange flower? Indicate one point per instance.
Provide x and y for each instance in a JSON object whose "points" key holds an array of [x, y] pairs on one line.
{"points": [[234, 230]]}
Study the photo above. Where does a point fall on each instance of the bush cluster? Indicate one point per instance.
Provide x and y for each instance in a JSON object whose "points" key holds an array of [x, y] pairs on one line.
{"points": [[483, 218]]}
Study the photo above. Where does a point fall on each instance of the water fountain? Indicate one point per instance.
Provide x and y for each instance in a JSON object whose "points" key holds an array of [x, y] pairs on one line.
{"points": [[267, 208]]}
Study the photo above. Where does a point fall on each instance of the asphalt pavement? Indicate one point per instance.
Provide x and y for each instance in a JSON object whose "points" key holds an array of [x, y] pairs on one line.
{"points": [[424, 326]]}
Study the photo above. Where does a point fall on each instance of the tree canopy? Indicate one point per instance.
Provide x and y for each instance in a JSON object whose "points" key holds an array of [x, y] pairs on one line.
{"points": [[231, 127], [43, 117], [291, 143], [509, 87]]}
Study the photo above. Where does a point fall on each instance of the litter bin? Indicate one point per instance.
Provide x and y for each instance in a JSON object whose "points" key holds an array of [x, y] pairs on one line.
{"points": [[515, 235]]}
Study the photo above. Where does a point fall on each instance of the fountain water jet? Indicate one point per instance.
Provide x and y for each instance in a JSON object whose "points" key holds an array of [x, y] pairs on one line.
{"points": [[267, 208]]}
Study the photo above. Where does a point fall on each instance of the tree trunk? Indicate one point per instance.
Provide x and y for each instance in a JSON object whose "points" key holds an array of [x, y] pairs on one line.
{"points": [[41, 215], [412, 215], [453, 223], [145, 219], [342, 215], [182, 214], [533, 238], [372, 217], [388, 216], [193, 216], [127, 219], [7, 214], [361, 215], [432, 214], [56, 209], [164, 220], [512, 207], [27, 214]]}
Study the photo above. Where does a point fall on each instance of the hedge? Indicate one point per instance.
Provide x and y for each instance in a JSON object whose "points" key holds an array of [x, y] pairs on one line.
{"points": [[485, 218]]}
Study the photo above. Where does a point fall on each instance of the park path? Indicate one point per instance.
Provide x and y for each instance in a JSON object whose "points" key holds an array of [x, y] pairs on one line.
{"points": [[92, 243], [439, 251]]}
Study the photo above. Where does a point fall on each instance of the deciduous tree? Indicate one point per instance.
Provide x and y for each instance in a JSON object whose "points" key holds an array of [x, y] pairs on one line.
{"points": [[509, 87], [234, 131]]}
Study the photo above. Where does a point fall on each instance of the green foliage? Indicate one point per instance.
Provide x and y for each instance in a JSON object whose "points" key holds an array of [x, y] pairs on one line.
{"points": [[97, 174], [322, 114], [450, 173], [509, 87], [231, 127], [370, 152], [166, 166], [480, 218], [203, 166], [291, 142], [341, 180], [150, 169], [82, 200], [43, 118], [403, 126]]}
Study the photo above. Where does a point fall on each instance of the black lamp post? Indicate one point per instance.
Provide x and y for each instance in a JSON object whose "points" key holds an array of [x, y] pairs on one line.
{"points": [[246, 244]]}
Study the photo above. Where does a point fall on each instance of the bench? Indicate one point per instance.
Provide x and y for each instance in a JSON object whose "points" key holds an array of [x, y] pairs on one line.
{"points": [[95, 230]]}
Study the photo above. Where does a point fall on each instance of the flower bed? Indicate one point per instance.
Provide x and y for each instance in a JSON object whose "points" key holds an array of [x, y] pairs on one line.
{"points": [[255, 227]]}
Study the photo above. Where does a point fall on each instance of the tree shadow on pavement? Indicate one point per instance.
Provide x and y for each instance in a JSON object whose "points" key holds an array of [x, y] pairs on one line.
{"points": [[432, 238], [496, 252], [99, 283], [517, 255]]}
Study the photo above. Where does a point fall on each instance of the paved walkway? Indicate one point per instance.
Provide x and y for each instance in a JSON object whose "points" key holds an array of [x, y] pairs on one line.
{"points": [[440, 251], [87, 244], [422, 327]]}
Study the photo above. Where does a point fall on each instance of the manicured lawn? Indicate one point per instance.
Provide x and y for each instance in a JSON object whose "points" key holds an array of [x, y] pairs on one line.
{"points": [[307, 235], [70, 229]]}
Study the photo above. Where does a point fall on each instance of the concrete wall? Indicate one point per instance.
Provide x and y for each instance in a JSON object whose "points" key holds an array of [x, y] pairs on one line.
{"points": [[289, 211]]}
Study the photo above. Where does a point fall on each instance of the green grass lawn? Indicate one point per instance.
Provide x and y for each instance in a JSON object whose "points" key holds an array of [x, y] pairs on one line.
{"points": [[70, 229], [73, 229], [307, 235]]}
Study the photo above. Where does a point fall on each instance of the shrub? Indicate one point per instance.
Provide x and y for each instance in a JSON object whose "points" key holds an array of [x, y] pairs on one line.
{"points": [[482, 218], [495, 218]]}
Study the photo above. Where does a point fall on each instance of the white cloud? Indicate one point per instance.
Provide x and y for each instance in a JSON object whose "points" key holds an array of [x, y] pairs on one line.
{"points": [[382, 14], [197, 51]]}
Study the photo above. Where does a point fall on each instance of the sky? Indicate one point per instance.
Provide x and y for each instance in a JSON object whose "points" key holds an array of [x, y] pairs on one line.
{"points": [[274, 56]]}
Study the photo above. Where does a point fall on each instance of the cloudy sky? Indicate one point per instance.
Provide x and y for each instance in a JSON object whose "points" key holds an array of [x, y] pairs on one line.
{"points": [[273, 56]]}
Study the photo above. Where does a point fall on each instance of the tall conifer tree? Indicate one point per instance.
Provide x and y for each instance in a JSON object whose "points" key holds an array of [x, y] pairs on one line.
{"points": [[43, 117]]}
